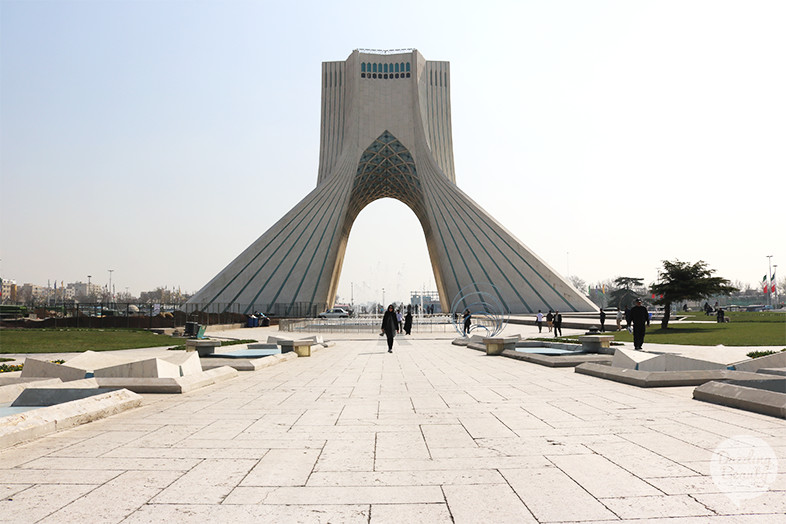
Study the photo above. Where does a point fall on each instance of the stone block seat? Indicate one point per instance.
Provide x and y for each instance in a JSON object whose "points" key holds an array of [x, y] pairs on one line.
{"points": [[203, 347], [496, 345], [301, 347], [596, 343]]}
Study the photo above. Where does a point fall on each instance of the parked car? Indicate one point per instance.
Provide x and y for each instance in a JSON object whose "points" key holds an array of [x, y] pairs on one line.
{"points": [[335, 312]]}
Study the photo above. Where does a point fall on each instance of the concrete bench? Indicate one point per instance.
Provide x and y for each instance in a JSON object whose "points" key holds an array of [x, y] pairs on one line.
{"points": [[496, 345], [301, 347], [596, 343], [203, 347]]}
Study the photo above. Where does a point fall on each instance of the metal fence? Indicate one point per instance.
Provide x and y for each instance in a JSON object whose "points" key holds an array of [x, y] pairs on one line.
{"points": [[101, 315], [122, 315], [278, 309], [364, 324]]}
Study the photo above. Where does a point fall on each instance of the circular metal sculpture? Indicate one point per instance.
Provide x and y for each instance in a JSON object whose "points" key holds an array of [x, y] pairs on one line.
{"points": [[488, 314]]}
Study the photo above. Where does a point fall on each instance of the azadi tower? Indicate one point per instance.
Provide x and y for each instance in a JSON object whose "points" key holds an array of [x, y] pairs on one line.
{"points": [[386, 132]]}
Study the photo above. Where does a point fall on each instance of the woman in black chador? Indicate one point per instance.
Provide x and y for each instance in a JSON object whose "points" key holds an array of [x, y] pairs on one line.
{"points": [[408, 321], [390, 326]]}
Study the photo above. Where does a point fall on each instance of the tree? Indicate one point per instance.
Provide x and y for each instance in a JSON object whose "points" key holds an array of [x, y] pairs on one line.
{"points": [[578, 283], [625, 291], [680, 281]]}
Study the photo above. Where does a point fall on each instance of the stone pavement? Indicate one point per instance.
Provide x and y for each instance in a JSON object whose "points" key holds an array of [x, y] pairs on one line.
{"points": [[431, 433]]}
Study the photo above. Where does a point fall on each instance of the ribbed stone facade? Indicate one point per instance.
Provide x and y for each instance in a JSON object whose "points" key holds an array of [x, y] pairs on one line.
{"points": [[386, 132]]}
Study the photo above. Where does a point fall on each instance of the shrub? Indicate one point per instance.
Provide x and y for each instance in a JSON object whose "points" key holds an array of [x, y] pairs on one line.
{"points": [[757, 354]]}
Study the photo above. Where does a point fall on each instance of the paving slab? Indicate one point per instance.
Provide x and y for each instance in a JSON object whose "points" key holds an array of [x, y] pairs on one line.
{"points": [[433, 432]]}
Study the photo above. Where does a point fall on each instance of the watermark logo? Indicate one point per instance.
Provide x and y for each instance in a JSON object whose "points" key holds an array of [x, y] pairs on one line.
{"points": [[743, 467]]}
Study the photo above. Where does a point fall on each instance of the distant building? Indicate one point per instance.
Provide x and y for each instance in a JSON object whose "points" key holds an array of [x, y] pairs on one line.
{"points": [[30, 292], [429, 300], [9, 291], [82, 290]]}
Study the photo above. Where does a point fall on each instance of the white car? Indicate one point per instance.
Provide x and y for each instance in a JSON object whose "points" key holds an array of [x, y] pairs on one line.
{"points": [[336, 312]]}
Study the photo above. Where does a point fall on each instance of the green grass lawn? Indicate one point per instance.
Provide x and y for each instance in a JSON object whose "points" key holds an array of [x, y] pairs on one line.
{"points": [[732, 334], [734, 316], [743, 329], [76, 340]]}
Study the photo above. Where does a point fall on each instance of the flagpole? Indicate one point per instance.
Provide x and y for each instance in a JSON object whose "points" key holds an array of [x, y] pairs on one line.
{"points": [[769, 278], [774, 285]]}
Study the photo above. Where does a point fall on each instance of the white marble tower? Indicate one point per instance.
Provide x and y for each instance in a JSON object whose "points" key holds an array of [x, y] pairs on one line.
{"points": [[386, 132]]}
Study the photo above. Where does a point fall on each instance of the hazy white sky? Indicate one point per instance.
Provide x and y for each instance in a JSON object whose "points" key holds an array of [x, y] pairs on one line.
{"points": [[161, 138]]}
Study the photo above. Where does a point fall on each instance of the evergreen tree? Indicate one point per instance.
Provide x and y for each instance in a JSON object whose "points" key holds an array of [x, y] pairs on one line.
{"points": [[682, 281], [626, 290]]}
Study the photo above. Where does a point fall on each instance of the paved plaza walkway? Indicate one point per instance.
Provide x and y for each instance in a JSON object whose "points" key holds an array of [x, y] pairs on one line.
{"points": [[430, 433]]}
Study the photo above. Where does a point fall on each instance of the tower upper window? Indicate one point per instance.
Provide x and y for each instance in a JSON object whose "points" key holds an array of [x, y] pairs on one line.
{"points": [[368, 70]]}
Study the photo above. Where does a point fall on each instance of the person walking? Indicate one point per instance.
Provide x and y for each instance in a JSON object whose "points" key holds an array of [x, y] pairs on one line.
{"points": [[539, 321], [467, 321], [399, 319], [619, 319], [639, 316], [550, 320], [408, 321], [389, 326], [602, 320], [557, 324]]}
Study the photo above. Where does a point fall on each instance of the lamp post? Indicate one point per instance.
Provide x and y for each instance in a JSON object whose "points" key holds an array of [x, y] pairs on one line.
{"points": [[111, 295]]}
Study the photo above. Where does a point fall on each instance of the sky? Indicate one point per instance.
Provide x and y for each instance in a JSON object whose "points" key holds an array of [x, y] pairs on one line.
{"points": [[159, 139]]}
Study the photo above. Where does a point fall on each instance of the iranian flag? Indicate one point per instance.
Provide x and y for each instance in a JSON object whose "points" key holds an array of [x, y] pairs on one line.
{"points": [[764, 284], [772, 283]]}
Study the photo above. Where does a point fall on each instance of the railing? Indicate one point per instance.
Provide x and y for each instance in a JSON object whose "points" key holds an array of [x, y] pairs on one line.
{"points": [[102, 315], [363, 324], [277, 310]]}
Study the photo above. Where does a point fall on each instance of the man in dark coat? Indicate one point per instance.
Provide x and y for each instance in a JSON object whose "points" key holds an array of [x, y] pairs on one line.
{"points": [[639, 317], [390, 326], [602, 320], [557, 324]]}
